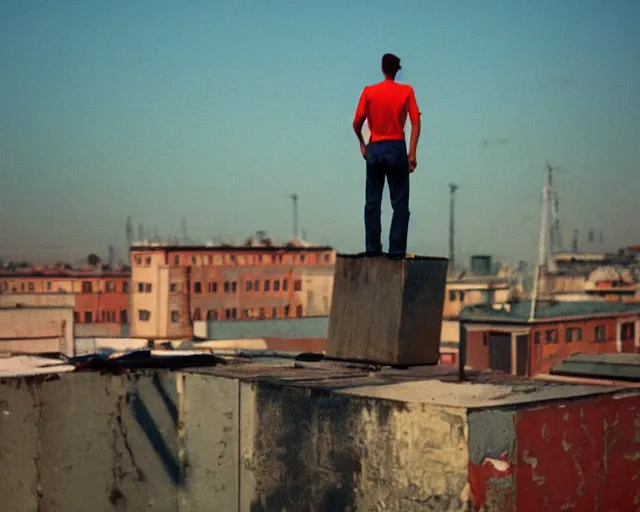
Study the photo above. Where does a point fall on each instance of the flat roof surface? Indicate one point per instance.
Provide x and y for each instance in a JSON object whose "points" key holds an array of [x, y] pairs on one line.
{"points": [[23, 365]]}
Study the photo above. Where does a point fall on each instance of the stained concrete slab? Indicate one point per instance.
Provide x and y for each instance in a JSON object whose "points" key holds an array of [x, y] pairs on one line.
{"points": [[211, 443]]}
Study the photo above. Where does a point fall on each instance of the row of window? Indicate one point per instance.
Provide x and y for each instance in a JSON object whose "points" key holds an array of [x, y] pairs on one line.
{"points": [[87, 317], [250, 285], [144, 315], [455, 295], [233, 259], [87, 287], [575, 334]]}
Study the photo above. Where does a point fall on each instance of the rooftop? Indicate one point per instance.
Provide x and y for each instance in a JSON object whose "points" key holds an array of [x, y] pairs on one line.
{"points": [[547, 310], [229, 248]]}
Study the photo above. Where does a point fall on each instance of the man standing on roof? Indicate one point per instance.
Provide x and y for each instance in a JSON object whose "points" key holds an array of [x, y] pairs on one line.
{"points": [[385, 106]]}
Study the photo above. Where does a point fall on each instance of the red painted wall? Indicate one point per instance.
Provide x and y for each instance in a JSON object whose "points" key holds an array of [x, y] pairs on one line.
{"points": [[583, 455], [545, 355], [477, 351]]}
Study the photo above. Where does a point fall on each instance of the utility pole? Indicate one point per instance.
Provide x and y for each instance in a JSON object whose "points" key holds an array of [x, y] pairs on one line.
{"points": [[129, 232], [545, 258], [452, 234], [294, 198]]}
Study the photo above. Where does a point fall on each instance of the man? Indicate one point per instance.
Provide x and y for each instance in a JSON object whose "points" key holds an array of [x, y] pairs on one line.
{"points": [[385, 106]]}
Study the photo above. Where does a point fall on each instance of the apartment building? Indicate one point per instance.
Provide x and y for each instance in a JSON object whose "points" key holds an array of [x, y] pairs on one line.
{"points": [[101, 296], [174, 286], [507, 339]]}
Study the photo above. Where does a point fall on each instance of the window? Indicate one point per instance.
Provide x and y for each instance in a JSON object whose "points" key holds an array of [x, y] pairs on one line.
{"points": [[147, 261], [21, 286], [256, 285], [537, 337], [76, 317], [551, 336], [176, 260], [193, 260], [274, 312], [326, 258], [173, 288], [124, 317], [234, 313], [144, 315], [125, 287], [197, 315], [452, 296], [104, 316], [626, 331], [234, 286], [276, 286], [197, 287], [461, 295], [88, 317], [261, 313], [303, 258], [260, 258], [299, 311], [138, 260], [86, 287], [49, 285], [110, 286], [226, 286], [31, 287], [232, 258], [285, 285], [267, 285], [213, 287], [573, 334], [140, 287], [227, 314], [175, 317], [147, 287], [600, 333], [287, 308], [248, 285], [212, 314], [297, 285]]}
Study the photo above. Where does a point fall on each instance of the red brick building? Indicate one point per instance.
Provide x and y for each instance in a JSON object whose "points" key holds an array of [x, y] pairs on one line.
{"points": [[101, 297], [507, 340], [174, 286]]}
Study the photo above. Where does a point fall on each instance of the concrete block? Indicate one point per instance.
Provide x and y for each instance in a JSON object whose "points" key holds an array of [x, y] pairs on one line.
{"points": [[386, 310]]}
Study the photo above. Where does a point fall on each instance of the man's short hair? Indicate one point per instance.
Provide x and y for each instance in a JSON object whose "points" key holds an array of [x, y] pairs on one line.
{"points": [[390, 64]]}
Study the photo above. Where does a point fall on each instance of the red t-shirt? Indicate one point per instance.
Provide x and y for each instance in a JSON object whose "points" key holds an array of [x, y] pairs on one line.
{"points": [[386, 106]]}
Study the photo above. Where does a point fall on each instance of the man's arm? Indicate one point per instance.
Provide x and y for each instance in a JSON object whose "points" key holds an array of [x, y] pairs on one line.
{"points": [[414, 115], [358, 122]]}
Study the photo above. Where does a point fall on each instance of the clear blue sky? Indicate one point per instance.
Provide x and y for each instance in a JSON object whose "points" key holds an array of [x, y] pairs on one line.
{"points": [[217, 110]]}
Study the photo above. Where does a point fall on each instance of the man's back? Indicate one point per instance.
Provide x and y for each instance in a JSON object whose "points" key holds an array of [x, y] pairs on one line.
{"points": [[386, 106]]}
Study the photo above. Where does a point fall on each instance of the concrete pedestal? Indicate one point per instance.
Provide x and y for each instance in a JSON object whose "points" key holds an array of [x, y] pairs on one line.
{"points": [[387, 311]]}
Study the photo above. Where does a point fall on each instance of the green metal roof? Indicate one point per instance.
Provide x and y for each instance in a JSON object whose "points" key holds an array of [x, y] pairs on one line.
{"points": [[546, 310]]}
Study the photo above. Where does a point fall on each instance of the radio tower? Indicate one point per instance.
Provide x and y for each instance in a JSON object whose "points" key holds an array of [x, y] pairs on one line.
{"points": [[294, 198], [452, 234], [129, 233]]}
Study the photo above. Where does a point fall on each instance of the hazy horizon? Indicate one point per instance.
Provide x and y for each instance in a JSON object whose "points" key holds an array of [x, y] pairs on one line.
{"points": [[217, 112]]}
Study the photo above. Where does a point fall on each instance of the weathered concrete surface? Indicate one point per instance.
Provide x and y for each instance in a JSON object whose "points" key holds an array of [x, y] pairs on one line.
{"points": [[211, 442], [387, 311], [88, 442], [254, 437], [312, 450]]}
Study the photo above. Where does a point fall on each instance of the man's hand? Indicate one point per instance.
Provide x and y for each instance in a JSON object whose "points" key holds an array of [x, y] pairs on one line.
{"points": [[413, 163], [363, 150]]}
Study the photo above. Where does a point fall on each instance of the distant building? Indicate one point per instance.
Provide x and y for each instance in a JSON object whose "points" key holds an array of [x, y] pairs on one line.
{"points": [[505, 339], [175, 286], [101, 297], [35, 326]]}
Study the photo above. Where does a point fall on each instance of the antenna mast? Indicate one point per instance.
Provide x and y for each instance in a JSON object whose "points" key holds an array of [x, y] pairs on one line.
{"points": [[452, 250], [294, 198]]}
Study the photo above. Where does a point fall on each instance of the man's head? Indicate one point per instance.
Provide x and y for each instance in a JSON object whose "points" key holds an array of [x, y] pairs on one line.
{"points": [[390, 65]]}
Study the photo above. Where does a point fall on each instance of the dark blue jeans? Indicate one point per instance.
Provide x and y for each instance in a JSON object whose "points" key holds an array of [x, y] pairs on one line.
{"points": [[387, 160]]}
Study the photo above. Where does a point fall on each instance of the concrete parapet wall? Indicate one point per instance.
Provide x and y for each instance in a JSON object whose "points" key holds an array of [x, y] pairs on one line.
{"points": [[256, 438]]}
